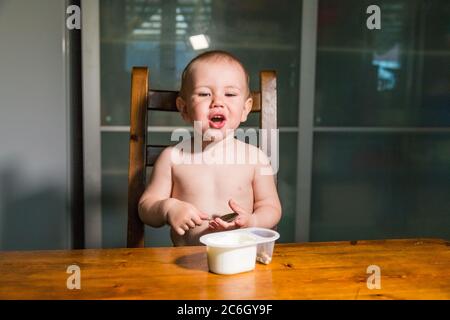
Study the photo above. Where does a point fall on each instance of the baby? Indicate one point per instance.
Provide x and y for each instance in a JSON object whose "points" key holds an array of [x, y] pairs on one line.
{"points": [[191, 185]]}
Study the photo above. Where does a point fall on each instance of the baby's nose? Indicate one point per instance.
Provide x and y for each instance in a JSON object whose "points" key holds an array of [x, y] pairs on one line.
{"points": [[217, 102]]}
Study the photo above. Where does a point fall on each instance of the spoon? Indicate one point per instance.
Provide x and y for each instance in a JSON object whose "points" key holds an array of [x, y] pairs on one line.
{"points": [[229, 217]]}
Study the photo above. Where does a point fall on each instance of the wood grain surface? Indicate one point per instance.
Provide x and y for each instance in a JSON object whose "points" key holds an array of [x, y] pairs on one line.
{"points": [[410, 269]]}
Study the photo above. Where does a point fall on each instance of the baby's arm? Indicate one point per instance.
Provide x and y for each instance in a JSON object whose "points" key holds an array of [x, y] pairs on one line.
{"points": [[155, 200], [156, 207], [267, 206]]}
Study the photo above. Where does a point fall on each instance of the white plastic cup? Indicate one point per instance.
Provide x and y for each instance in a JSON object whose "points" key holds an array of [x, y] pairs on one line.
{"points": [[236, 251], [231, 261], [265, 248]]}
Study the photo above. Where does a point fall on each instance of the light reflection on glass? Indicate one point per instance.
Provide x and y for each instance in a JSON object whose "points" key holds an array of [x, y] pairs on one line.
{"points": [[387, 63]]}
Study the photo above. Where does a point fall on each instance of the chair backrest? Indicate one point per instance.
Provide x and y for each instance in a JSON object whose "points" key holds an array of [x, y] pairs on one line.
{"points": [[143, 155]]}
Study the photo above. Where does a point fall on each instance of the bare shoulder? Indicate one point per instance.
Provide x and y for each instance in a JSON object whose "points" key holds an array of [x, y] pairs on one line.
{"points": [[166, 157], [254, 154]]}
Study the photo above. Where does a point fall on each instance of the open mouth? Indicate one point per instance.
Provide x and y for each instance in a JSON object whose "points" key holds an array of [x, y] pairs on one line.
{"points": [[217, 121]]}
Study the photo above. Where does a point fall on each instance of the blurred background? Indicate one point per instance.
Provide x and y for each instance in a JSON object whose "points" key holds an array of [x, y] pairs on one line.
{"points": [[364, 115]]}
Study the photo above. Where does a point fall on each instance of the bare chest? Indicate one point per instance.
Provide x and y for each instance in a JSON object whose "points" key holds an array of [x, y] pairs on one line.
{"points": [[216, 179]]}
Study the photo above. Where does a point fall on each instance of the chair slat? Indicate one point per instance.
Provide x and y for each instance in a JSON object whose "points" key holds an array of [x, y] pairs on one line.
{"points": [[136, 168], [153, 152], [160, 100], [256, 107], [268, 119]]}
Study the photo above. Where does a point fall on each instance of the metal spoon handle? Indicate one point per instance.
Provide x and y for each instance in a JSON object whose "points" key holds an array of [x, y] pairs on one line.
{"points": [[229, 217]]}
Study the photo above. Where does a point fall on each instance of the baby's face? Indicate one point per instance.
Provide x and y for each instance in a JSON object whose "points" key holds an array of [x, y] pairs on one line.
{"points": [[217, 96]]}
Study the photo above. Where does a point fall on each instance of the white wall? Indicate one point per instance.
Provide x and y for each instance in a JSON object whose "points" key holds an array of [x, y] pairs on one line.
{"points": [[34, 126]]}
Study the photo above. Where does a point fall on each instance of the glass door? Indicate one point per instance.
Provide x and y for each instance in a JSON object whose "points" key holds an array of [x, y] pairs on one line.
{"points": [[364, 115], [381, 156]]}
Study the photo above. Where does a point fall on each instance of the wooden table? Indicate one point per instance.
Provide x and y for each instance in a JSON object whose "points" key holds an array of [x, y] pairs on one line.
{"points": [[410, 269]]}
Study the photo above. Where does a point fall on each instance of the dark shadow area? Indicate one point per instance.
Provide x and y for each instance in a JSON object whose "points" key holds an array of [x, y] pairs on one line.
{"points": [[36, 220], [76, 133], [196, 261]]}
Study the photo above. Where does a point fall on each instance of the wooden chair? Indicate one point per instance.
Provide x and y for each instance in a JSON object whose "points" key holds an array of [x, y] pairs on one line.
{"points": [[143, 155]]}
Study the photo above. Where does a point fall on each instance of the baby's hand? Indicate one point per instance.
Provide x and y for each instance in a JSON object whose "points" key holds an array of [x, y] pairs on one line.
{"points": [[242, 220], [183, 216]]}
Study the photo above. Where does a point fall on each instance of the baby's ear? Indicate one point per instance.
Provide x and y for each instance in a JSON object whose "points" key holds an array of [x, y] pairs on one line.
{"points": [[181, 106], [247, 108]]}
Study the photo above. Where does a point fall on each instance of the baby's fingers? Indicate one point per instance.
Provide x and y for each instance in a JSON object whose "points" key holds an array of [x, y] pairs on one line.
{"points": [[224, 224], [203, 216], [240, 222], [191, 224], [236, 207], [199, 219], [180, 231], [213, 225]]}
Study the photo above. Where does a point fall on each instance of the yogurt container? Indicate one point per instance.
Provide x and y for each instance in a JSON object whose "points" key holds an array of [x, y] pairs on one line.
{"points": [[236, 251]]}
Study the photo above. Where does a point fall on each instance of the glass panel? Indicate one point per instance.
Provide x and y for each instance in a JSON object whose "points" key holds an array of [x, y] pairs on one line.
{"points": [[389, 184], [383, 185], [396, 76], [287, 185], [156, 34], [114, 189]]}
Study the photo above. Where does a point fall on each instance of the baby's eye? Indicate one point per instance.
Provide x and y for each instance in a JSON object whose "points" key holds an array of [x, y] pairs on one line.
{"points": [[230, 94], [203, 94]]}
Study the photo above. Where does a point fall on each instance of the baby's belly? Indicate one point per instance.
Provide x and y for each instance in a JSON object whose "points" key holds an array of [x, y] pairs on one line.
{"points": [[214, 201], [210, 191]]}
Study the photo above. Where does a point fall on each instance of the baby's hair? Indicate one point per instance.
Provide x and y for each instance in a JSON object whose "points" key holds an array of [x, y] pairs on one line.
{"points": [[212, 55]]}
